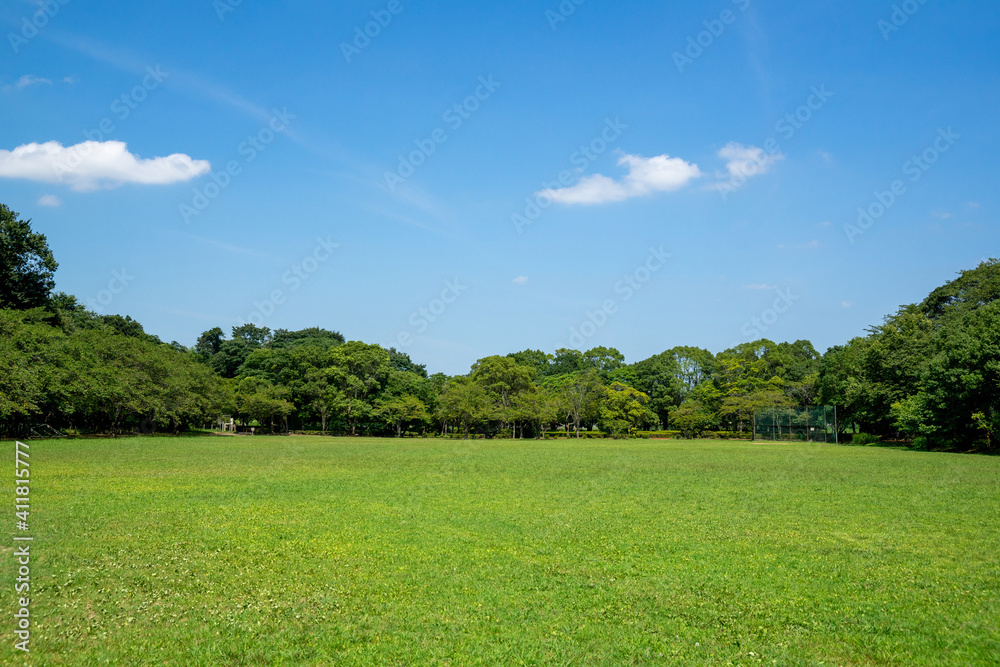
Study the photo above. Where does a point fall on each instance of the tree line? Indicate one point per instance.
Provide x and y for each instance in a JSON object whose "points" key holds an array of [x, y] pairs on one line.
{"points": [[929, 374]]}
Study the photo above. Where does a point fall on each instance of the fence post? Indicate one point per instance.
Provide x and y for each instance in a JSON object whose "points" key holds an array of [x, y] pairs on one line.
{"points": [[836, 426]]}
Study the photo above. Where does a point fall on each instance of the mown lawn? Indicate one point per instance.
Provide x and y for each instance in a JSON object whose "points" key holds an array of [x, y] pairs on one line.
{"points": [[324, 551]]}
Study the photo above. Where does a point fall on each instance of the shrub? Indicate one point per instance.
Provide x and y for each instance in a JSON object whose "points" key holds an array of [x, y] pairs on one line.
{"points": [[864, 439], [725, 435]]}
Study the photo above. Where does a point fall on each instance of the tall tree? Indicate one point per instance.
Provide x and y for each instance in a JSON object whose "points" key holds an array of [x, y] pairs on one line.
{"points": [[403, 401], [579, 396], [401, 361], [503, 379], [958, 400], [694, 366], [233, 353], [259, 400], [283, 338], [972, 289], [567, 361], [537, 407], [624, 409], [358, 370], [209, 343], [536, 360], [604, 359], [27, 267], [402, 410], [657, 377], [465, 403]]}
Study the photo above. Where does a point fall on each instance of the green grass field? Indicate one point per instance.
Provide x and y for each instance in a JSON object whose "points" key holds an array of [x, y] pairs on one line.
{"points": [[323, 551]]}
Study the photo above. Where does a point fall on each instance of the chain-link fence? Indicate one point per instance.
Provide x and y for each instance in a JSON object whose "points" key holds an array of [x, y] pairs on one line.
{"points": [[796, 424]]}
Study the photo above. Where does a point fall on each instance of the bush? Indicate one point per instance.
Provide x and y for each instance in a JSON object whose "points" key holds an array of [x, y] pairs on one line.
{"points": [[864, 439], [725, 435], [733, 435]]}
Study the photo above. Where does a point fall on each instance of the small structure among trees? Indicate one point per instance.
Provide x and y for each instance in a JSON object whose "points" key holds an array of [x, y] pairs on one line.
{"points": [[812, 424]]}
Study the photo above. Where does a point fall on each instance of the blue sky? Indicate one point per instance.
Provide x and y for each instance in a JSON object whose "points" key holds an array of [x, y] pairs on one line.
{"points": [[698, 170]]}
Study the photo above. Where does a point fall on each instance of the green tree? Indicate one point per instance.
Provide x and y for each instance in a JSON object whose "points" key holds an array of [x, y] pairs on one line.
{"points": [[401, 361], [503, 379], [404, 399], [27, 267], [402, 410], [960, 387], [358, 371], [624, 409], [209, 343], [567, 361], [692, 418], [694, 366], [604, 359], [871, 374], [578, 396], [233, 353], [323, 401], [464, 403], [538, 361], [258, 400], [971, 290], [126, 326], [764, 374], [26, 345], [657, 377], [537, 407], [283, 338]]}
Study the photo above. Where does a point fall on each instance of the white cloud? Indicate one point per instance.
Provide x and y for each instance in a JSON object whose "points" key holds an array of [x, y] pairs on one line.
{"points": [[27, 80], [760, 286], [743, 162], [520, 280], [846, 304], [646, 176], [94, 165], [49, 200]]}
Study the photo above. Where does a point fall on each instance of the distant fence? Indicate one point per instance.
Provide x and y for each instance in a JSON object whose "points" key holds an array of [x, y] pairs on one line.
{"points": [[796, 424], [40, 431]]}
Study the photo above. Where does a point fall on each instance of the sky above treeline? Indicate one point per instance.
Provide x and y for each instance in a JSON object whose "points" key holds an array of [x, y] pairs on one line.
{"points": [[461, 179]]}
